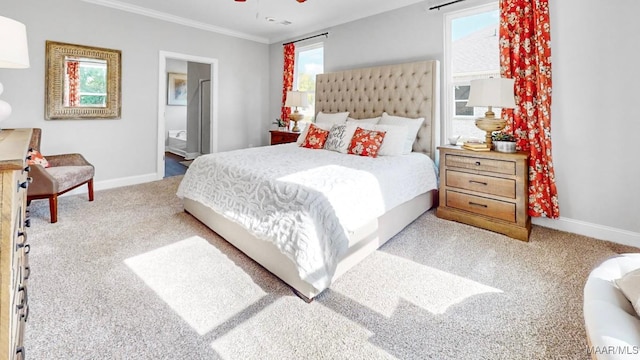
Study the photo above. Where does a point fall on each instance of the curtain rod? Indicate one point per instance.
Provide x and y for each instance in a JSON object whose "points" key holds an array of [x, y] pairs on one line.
{"points": [[311, 37], [437, 7]]}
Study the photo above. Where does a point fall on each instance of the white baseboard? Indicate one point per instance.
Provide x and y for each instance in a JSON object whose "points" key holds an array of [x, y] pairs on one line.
{"points": [[597, 231], [115, 183]]}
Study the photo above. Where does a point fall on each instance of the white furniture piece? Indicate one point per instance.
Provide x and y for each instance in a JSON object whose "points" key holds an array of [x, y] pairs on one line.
{"points": [[406, 90], [613, 327]]}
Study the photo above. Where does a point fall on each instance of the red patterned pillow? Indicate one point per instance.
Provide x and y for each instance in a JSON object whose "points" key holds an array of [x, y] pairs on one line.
{"points": [[37, 158], [316, 138], [366, 142]]}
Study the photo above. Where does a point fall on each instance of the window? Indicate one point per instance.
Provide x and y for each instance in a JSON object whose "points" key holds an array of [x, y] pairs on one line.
{"points": [[471, 52], [461, 97], [309, 62]]}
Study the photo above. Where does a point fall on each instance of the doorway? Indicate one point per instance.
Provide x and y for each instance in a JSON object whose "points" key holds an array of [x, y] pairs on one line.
{"points": [[203, 84]]}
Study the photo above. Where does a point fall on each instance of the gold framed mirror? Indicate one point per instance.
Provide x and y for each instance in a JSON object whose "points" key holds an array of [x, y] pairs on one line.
{"points": [[82, 82]]}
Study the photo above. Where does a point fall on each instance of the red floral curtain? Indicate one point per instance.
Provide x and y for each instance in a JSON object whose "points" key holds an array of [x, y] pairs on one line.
{"points": [[73, 78], [525, 55], [287, 79]]}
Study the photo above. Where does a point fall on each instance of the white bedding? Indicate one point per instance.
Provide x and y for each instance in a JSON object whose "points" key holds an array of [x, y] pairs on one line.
{"points": [[305, 201]]}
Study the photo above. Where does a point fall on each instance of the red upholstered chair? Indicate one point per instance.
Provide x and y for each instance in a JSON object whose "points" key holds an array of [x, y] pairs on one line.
{"points": [[65, 172]]}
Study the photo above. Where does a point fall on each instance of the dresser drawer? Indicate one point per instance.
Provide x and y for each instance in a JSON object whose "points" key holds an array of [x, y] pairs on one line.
{"points": [[478, 205], [480, 164], [480, 183]]}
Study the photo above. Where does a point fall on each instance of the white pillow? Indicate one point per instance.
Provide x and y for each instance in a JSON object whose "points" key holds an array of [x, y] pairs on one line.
{"points": [[303, 133], [335, 118], [629, 284], [374, 120], [413, 125], [394, 139]]}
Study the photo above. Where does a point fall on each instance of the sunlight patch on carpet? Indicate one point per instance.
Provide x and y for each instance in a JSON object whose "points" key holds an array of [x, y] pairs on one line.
{"points": [[429, 288], [197, 281], [323, 334]]}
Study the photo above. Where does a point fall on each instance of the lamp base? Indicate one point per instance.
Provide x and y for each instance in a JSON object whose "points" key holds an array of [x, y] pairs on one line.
{"points": [[490, 125], [295, 117]]}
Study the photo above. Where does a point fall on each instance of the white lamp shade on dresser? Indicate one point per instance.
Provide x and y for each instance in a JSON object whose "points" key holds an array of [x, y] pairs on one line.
{"points": [[14, 52], [497, 92]]}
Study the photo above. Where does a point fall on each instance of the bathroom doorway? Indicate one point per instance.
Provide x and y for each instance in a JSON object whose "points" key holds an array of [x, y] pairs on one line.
{"points": [[187, 125]]}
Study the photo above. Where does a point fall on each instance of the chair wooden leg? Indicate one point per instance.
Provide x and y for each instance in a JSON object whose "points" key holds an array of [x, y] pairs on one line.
{"points": [[53, 208], [90, 185]]}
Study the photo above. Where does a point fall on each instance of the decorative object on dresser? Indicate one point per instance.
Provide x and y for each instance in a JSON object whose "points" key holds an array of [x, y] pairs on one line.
{"points": [[491, 92], [57, 175], [296, 99], [14, 250], [14, 53], [283, 137], [503, 142], [485, 189]]}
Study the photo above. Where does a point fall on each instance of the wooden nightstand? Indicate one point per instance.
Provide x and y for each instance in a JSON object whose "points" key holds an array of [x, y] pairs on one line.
{"points": [[283, 137], [485, 189]]}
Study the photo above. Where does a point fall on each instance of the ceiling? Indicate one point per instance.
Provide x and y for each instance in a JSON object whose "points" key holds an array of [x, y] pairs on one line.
{"points": [[248, 19]]}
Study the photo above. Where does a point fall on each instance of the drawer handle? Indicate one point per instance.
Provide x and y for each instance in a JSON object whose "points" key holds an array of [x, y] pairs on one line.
{"points": [[476, 204], [478, 182], [27, 222], [20, 351], [478, 163], [22, 244], [27, 249], [27, 270], [25, 299], [27, 169], [25, 315]]}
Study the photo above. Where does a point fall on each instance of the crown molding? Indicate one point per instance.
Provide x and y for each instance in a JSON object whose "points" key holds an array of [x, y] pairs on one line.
{"points": [[175, 19]]}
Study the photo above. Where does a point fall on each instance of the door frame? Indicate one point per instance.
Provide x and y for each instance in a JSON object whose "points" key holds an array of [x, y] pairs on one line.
{"points": [[162, 96]]}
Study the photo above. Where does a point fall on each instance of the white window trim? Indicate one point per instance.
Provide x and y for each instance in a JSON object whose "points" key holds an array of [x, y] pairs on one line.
{"points": [[449, 96]]}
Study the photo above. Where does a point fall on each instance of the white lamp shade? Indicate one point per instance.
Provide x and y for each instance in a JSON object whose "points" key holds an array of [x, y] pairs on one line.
{"points": [[296, 98], [14, 53], [496, 92]]}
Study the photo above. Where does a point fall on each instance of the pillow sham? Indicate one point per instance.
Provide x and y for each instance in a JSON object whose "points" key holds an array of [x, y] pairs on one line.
{"points": [[366, 142], [37, 159], [316, 137], [394, 139], [333, 118], [303, 133], [340, 136], [413, 125], [373, 120], [629, 284]]}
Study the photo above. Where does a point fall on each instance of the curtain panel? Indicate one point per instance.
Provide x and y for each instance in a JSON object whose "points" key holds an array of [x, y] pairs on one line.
{"points": [[72, 83], [287, 79], [525, 55]]}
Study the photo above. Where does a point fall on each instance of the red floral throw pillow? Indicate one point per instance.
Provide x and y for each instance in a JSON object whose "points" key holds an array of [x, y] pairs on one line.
{"points": [[37, 158], [366, 142], [316, 138]]}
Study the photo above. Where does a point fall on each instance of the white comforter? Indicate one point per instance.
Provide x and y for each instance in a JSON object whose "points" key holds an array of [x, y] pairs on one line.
{"points": [[305, 201]]}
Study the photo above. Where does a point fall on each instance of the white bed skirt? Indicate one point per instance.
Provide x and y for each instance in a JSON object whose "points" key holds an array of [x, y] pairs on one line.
{"points": [[362, 242]]}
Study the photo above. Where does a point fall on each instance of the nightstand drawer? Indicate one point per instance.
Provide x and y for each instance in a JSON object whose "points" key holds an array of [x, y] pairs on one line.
{"points": [[481, 164], [493, 208], [484, 184]]}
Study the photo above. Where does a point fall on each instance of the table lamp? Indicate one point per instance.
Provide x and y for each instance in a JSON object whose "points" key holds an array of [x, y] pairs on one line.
{"points": [[14, 53], [491, 92], [296, 99]]}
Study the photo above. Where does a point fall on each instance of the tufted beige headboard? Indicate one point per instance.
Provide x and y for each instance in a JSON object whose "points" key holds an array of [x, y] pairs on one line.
{"points": [[408, 90]]}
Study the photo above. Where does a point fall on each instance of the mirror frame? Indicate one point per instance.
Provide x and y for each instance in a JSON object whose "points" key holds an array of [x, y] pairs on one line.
{"points": [[54, 80]]}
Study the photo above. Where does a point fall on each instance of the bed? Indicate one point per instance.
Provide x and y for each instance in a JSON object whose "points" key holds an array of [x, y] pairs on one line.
{"points": [[272, 202]]}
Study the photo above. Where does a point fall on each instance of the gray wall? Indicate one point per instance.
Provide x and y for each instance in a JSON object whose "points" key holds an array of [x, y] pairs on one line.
{"points": [[195, 73], [593, 89], [124, 151]]}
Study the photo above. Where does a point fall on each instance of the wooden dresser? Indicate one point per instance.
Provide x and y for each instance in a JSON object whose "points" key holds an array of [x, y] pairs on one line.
{"points": [[14, 250], [283, 137], [485, 189]]}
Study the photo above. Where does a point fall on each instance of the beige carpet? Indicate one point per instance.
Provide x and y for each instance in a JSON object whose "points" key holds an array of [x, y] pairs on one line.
{"points": [[131, 276]]}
